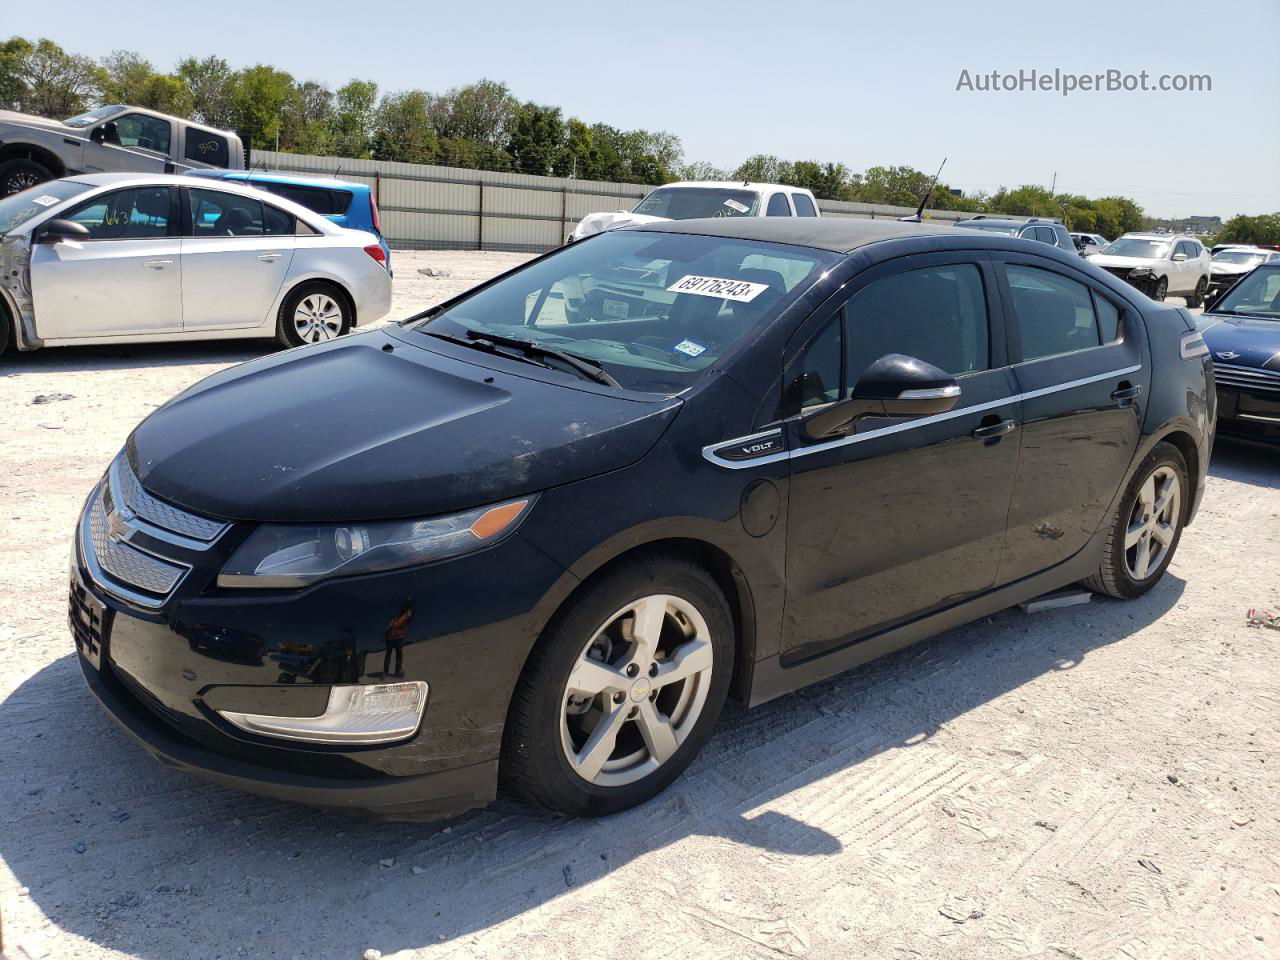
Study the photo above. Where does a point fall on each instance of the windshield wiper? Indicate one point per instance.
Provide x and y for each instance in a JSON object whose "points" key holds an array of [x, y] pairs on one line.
{"points": [[587, 369], [583, 366]]}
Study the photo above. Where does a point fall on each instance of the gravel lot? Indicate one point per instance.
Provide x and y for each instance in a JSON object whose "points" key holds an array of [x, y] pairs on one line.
{"points": [[1093, 782]]}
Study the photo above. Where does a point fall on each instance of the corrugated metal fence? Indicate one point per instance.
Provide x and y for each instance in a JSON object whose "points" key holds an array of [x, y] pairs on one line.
{"points": [[426, 207]]}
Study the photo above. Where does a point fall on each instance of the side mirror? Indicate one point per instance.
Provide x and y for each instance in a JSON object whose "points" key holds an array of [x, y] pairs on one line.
{"points": [[55, 231], [1179, 257], [894, 386], [107, 132]]}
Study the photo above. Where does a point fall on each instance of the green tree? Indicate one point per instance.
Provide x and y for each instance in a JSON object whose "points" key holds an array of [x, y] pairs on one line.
{"points": [[259, 95], [48, 81], [306, 120], [828, 181], [1264, 228], [353, 118], [472, 154], [480, 111], [702, 170], [210, 84], [402, 129], [536, 139], [128, 78], [579, 157], [764, 168]]}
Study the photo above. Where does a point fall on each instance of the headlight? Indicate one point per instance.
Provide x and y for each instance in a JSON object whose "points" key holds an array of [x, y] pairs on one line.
{"points": [[295, 555], [1140, 272]]}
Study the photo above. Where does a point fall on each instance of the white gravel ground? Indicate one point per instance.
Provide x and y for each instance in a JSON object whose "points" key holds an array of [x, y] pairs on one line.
{"points": [[1093, 782]]}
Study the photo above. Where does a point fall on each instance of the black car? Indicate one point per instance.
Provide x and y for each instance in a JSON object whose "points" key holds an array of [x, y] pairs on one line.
{"points": [[1242, 329], [490, 543], [1031, 228]]}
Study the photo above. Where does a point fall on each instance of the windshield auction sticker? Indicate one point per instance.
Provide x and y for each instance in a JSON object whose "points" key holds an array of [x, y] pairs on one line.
{"points": [[733, 204], [718, 287], [46, 200]]}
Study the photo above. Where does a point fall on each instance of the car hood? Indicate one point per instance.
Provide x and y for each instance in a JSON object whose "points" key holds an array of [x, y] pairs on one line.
{"points": [[594, 223], [1230, 269], [371, 427], [1256, 343], [30, 120], [1106, 260]]}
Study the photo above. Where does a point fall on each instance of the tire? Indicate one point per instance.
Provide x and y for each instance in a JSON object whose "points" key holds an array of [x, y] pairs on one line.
{"points": [[1197, 299], [314, 312], [648, 726], [6, 331], [1161, 290], [22, 174], [1119, 574]]}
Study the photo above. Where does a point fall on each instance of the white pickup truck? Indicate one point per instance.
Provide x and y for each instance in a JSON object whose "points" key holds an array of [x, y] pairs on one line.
{"points": [[114, 139], [694, 199]]}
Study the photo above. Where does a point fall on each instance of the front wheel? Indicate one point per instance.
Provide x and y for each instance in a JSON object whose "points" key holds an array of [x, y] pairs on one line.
{"points": [[313, 313], [623, 689], [1146, 527], [21, 174], [1161, 290]]}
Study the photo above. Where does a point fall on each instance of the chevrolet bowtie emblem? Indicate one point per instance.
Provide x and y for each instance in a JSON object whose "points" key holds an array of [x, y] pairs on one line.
{"points": [[118, 527], [1227, 355]]}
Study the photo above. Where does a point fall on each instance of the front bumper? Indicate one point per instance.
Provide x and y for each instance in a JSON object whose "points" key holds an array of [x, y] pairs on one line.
{"points": [[427, 796]]}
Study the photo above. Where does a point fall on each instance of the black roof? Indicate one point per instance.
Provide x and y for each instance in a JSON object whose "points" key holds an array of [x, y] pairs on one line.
{"points": [[837, 234]]}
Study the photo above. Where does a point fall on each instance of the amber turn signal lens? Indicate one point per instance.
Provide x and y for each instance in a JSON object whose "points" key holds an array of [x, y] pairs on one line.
{"points": [[493, 522]]}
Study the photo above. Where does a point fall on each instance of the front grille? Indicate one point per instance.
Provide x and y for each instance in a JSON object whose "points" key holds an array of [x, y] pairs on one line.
{"points": [[1121, 272], [85, 617], [128, 491], [1253, 379], [125, 563]]}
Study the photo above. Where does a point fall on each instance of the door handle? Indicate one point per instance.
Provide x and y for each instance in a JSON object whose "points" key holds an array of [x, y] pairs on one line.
{"points": [[1126, 394], [268, 257], [994, 430], [159, 264]]}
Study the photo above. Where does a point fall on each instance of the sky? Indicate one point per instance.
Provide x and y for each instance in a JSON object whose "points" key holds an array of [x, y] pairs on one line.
{"points": [[863, 83]]}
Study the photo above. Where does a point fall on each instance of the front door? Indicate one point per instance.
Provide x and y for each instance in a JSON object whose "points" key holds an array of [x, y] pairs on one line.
{"points": [[236, 253], [124, 279], [142, 144], [900, 517], [1084, 377]]}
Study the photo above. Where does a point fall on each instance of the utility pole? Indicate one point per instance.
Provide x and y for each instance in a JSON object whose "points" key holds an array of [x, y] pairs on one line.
{"points": [[1053, 187]]}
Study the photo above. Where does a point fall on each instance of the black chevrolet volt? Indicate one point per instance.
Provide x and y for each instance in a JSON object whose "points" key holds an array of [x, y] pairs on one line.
{"points": [[538, 534]]}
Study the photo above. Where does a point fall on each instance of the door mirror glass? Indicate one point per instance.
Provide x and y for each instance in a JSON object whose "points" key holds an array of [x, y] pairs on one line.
{"points": [[1179, 257], [55, 231], [107, 132], [894, 386]]}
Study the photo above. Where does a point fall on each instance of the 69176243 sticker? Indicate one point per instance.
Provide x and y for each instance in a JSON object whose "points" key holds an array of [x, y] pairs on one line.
{"points": [[722, 288]]}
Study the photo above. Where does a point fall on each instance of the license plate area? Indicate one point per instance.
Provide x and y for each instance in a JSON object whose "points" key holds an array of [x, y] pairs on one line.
{"points": [[616, 309], [90, 622]]}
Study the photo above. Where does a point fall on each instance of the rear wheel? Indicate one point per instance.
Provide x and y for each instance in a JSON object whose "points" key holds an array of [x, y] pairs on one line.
{"points": [[1146, 528], [22, 174], [313, 313], [1197, 299], [623, 689]]}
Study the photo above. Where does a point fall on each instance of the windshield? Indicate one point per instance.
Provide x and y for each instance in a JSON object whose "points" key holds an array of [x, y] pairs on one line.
{"points": [[1242, 258], [1137, 247], [1257, 295], [17, 209], [1006, 229], [692, 203], [654, 309], [93, 116]]}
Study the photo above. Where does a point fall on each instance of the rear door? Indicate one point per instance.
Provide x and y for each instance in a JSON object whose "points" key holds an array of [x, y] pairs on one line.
{"points": [[124, 279], [899, 517], [236, 253], [1083, 372]]}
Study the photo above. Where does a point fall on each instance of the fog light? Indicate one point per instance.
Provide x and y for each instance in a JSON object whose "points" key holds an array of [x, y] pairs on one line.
{"points": [[360, 714]]}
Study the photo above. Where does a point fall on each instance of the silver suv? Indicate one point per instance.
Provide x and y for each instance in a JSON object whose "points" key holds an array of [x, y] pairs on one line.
{"points": [[114, 139], [1031, 228]]}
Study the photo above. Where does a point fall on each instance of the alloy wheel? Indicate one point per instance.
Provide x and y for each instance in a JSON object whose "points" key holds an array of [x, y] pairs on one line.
{"points": [[636, 691], [1153, 523], [17, 182], [317, 317]]}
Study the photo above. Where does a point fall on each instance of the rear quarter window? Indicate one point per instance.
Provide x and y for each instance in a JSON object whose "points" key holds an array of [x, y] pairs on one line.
{"points": [[325, 201], [205, 147]]}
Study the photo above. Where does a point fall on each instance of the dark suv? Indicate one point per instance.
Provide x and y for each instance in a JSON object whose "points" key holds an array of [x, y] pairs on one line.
{"points": [[1034, 228], [521, 547]]}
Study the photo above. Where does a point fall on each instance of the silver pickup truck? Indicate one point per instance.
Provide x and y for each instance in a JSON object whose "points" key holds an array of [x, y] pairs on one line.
{"points": [[109, 139]]}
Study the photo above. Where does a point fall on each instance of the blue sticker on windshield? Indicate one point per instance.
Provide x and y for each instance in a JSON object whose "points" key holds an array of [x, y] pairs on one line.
{"points": [[690, 347]]}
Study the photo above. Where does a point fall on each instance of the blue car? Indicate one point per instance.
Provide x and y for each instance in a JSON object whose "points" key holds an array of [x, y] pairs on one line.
{"points": [[345, 203], [1242, 330]]}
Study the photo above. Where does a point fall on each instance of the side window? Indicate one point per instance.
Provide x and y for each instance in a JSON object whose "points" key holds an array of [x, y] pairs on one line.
{"points": [[820, 380], [1108, 318], [1055, 314], [138, 214], [206, 147], [1046, 235], [778, 206], [936, 314], [218, 214], [140, 130], [804, 206], [277, 223]]}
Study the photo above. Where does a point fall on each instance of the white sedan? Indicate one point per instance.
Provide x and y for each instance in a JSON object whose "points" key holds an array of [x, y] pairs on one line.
{"points": [[126, 258]]}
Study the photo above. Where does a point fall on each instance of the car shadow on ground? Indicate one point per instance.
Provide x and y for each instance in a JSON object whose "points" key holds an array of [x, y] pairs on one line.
{"points": [[129, 855], [133, 356], [1245, 461]]}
